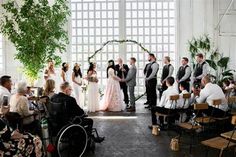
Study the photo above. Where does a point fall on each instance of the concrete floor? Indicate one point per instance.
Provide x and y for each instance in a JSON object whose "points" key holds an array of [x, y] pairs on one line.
{"points": [[127, 135]]}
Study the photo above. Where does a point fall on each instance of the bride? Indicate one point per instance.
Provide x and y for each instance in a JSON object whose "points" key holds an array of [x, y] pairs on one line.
{"points": [[112, 100]]}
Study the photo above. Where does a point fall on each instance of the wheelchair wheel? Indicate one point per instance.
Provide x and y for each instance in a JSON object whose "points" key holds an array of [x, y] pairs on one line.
{"points": [[72, 141]]}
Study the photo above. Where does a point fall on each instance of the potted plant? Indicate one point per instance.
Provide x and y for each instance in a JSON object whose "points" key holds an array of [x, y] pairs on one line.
{"points": [[219, 64], [37, 31]]}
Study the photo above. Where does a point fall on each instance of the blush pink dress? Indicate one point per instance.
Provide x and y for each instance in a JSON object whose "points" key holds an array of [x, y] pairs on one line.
{"points": [[112, 99]]}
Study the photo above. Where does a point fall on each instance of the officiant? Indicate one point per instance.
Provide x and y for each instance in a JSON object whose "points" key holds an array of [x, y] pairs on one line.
{"points": [[122, 71]]}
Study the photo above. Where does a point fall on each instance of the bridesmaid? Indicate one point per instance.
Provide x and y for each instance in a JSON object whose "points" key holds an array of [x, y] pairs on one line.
{"points": [[77, 82], [49, 72], [93, 93], [64, 72]]}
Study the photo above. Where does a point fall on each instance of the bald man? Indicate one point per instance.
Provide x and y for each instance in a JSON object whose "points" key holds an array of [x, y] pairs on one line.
{"points": [[122, 71], [210, 92]]}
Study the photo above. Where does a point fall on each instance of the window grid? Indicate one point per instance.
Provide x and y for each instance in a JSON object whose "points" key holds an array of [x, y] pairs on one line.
{"points": [[93, 23], [1, 53], [151, 23]]}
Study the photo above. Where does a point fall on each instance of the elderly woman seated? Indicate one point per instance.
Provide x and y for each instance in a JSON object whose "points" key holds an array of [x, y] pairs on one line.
{"points": [[13, 143], [20, 104]]}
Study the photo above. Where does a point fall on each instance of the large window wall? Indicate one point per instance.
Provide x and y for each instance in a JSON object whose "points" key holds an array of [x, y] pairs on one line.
{"points": [[151, 23], [1, 53]]}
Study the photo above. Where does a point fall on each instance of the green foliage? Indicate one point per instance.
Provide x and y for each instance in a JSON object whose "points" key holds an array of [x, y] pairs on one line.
{"points": [[120, 42], [217, 62], [37, 31]]}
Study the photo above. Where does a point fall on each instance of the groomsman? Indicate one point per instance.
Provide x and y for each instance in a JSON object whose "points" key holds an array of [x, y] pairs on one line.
{"points": [[145, 73], [122, 71], [131, 83], [201, 69], [151, 80], [167, 71], [184, 73]]}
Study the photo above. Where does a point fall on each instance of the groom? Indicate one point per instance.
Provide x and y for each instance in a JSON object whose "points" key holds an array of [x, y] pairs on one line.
{"points": [[131, 83]]}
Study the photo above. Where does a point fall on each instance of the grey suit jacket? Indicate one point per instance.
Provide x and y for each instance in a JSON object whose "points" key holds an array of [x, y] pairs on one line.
{"points": [[131, 76]]}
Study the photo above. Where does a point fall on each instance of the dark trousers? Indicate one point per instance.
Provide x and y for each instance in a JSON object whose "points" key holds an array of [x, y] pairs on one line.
{"points": [[87, 123], [124, 88], [211, 111], [163, 111], [147, 94], [214, 112], [151, 92], [163, 88]]}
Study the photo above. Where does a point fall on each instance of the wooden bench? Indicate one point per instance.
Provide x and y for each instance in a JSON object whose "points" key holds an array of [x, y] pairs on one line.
{"points": [[221, 143]]}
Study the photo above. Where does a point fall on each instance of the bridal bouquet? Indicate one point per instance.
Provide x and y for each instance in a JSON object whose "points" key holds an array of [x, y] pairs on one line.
{"points": [[92, 79]]}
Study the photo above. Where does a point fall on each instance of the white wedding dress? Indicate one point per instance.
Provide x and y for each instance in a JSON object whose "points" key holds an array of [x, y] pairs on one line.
{"points": [[93, 95], [77, 91], [112, 99]]}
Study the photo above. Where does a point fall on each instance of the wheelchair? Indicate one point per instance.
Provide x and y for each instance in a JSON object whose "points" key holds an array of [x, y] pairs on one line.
{"points": [[71, 140]]}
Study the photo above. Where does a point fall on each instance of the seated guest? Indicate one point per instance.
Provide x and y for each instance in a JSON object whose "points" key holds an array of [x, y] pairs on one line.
{"points": [[183, 86], [165, 103], [49, 88], [5, 88], [72, 108], [13, 143], [30, 96], [19, 104], [229, 87], [208, 94]]}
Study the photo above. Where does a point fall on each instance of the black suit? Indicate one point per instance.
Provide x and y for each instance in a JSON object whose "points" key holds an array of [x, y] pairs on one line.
{"points": [[72, 110], [122, 74]]}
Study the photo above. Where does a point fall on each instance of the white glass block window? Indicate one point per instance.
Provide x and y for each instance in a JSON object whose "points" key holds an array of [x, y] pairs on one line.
{"points": [[1, 54], [156, 30], [94, 22]]}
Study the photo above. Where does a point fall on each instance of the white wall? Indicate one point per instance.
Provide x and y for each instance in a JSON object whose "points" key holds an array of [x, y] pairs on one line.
{"points": [[195, 17], [198, 17]]}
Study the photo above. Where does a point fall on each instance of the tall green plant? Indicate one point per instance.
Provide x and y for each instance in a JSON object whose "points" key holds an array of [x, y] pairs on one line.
{"points": [[37, 31], [218, 63]]}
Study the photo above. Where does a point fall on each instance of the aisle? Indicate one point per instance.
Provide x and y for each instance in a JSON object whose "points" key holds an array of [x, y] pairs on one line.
{"points": [[127, 135]]}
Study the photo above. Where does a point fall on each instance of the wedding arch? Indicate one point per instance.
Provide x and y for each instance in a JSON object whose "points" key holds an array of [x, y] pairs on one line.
{"points": [[120, 42]]}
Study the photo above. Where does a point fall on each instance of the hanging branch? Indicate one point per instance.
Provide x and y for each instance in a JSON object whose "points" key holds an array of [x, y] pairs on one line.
{"points": [[120, 42]]}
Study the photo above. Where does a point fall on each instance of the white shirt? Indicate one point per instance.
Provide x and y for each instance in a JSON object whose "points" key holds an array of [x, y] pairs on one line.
{"points": [[210, 92], [165, 98], [4, 92], [181, 100]]}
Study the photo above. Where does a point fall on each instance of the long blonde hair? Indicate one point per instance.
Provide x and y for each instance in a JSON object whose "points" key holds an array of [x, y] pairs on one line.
{"points": [[49, 87]]}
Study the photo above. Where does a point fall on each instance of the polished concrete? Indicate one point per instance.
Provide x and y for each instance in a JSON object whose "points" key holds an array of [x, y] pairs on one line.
{"points": [[127, 135]]}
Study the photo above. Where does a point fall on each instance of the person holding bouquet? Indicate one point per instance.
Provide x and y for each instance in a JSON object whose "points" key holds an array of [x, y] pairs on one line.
{"points": [[93, 93]]}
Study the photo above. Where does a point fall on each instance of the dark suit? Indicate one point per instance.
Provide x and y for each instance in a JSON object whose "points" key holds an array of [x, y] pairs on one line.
{"points": [[72, 110], [123, 74]]}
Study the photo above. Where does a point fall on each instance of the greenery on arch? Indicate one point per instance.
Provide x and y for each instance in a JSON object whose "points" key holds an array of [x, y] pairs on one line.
{"points": [[37, 31], [120, 42]]}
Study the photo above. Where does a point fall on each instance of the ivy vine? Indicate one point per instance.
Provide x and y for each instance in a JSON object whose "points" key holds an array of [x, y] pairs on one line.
{"points": [[120, 42]]}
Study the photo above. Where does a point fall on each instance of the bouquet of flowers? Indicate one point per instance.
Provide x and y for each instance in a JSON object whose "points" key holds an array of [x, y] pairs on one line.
{"points": [[92, 79]]}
